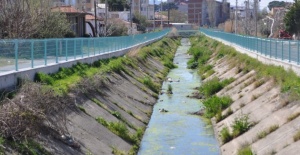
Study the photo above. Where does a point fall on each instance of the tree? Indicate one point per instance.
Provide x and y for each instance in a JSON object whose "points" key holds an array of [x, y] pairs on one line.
{"points": [[211, 8], [31, 19], [276, 4], [292, 20], [117, 5], [141, 21], [115, 27]]}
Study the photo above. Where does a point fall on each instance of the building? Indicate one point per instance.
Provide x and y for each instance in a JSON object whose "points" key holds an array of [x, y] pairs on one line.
{"points": [[214, 13], [82, 5], [75, 17], [183, 7], [274, 10], [195, 11]]}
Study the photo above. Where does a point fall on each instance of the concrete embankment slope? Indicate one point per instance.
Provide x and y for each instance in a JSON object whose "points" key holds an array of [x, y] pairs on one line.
{"points": [[103, 113], [267, 95]]}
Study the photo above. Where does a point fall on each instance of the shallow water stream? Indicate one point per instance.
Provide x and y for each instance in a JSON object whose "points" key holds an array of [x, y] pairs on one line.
{"points": [[177, 132]]}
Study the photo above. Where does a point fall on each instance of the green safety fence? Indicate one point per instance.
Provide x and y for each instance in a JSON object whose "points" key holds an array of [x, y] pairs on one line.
{"points": [[29, 53], [284, 50]]}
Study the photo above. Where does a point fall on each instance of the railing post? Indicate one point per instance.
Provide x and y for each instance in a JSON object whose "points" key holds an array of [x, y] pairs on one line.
{"points": [[99, 41], [94, 47], [31, 53], [289, 51], [45, 52], [74, 49], [16, 54], [270, 48], [81, 48], [56, 50], [89, 47], [298, 53], [281, 50], [276, 49], [261, 49], [66, 50]]}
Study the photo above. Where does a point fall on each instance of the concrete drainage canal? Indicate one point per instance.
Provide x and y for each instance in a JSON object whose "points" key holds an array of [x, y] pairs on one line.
{"points": [[172, 130]]}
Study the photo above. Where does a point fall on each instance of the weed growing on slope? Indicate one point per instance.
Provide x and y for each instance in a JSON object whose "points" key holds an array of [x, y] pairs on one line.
{"points": [[296, 136], [2, 141], [117, 128], [147, 81], [245, 150], [122, 131], [293, 116], [29, 147], [240, 125], [225, 135], [266, 132], [213, 86], [215, 104], [81, 108], [288, 80]]}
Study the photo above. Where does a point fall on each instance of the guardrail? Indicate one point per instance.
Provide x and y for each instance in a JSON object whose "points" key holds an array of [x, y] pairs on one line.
{"points": [[21, 54], [284, 50]]}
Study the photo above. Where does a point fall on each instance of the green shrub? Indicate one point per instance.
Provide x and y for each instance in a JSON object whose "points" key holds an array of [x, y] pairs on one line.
{"points": [[246, 150], [150, 84], [215, 104], [220, 117], [118, 128], [116, 114], [240, 125], [225, 135], [44, 78], [213, 86]]}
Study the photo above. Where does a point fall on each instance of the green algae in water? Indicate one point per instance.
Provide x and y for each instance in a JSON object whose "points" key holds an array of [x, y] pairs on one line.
{"points": [[178, 132]]}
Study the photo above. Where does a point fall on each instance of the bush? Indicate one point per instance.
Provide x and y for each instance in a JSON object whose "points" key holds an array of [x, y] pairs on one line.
{"points": [[213, 86], [246, 150], [44, 78], [225, 135], [215, 104], [150, 84], [240, 125]]}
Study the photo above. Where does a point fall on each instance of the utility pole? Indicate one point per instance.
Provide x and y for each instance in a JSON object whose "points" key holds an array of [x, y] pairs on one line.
{"points": [[161, 24], [153, 15], [235, 16], [246, 17], [168, 13], [130, 16], [255, 9], [105, 26], [95, 8]]}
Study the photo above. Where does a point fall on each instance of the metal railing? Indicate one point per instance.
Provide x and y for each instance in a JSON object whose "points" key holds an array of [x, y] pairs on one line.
{"points": [[21, 54], [284, 50]]}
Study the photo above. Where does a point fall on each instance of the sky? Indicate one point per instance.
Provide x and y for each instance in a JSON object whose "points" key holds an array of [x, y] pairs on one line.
{"points": [[263, 3]]}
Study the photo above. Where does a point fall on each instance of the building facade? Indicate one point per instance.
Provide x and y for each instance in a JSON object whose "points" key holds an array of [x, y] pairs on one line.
{"points": [[214, 12]]}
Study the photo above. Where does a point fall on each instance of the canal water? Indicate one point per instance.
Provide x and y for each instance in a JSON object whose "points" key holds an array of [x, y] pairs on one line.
{"points": [[177, 132]]}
